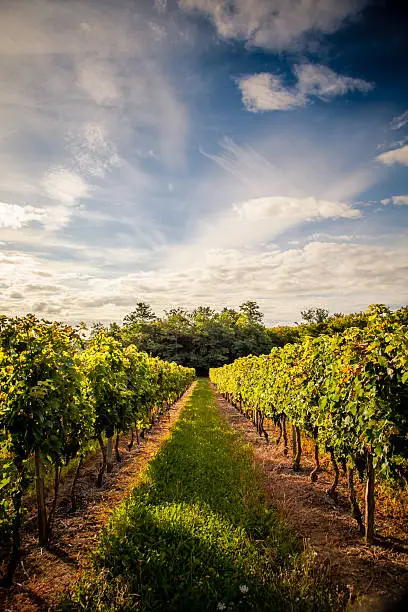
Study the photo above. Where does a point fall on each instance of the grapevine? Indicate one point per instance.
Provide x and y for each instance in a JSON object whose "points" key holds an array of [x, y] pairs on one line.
{"points": [[348, 391], [57, 395]]}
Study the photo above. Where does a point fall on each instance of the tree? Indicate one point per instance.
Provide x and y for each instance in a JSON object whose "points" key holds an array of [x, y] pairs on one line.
{"points": [[251, 311], [201, 338], [96, 328], [143, 313], [315, 315]]}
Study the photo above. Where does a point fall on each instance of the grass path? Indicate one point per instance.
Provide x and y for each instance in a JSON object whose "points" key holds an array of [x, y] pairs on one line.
{"points": [[197, 533]]}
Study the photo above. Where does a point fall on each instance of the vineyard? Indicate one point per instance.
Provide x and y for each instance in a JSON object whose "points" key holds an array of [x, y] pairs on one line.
{"points": [[198, 529], [58, 397], [348, 392]]}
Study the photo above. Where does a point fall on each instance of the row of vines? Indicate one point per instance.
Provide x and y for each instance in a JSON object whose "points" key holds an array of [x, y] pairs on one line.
{"points": [[59, 396], [348, 392]]}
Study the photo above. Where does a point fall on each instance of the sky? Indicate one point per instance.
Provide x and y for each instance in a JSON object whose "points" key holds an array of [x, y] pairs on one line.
{"points": [[198, 152]]}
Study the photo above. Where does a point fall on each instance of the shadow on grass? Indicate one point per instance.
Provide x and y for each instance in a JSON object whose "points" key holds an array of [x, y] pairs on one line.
{"points": [[197, 534]]}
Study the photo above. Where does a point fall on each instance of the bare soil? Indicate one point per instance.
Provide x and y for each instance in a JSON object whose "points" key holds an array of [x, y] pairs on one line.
{"points": [[45, 574], [374, 576]]}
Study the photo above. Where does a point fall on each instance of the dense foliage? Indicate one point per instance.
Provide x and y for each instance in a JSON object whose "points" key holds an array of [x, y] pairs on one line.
{"points": [[203, 338], [56, 395], [348, 390]]}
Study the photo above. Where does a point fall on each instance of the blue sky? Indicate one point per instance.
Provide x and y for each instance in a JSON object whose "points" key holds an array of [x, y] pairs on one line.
{"points": [[202, 152]]}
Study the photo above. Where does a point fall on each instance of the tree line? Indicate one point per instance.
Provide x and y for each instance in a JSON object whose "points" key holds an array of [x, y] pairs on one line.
{"points": [[203, 337]]}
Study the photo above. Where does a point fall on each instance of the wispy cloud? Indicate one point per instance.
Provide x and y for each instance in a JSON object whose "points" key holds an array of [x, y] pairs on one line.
{"points": [[258, 221], [399, 121], [87, 81], [160, 5], [290, 163], [321, 81]]}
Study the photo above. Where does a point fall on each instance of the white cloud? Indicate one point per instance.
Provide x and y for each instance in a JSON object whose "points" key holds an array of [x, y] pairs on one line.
{"points": [[266, 92], [294, 209], [399, 121], [14, 216], [274, 24], [395, 156], [399, 200], [64, 190]]}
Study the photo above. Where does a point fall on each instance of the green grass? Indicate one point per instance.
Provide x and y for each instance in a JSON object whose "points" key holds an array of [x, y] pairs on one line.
{"points": [[197, 534]]}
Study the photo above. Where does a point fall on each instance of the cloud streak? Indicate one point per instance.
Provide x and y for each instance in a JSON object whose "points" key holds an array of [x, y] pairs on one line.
{"points": [[399, 121]]}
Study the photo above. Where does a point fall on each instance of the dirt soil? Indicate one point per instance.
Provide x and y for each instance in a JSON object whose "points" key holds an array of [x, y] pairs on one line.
{"points": [[45, 574], [374, 576]]}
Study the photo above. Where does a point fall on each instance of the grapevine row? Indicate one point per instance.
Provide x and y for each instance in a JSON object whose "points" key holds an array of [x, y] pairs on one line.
{"points": [[59, 394], [349, 392]]}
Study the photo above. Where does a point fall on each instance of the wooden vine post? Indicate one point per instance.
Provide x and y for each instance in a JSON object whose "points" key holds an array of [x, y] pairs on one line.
{"points": [[355, 508], [296, 462], [285, 435], [15, 527], [117, 452], [102, 468], [314, 473], [109, 460], [294, 445], [41, 507], [369, 500], [74, 483]]}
